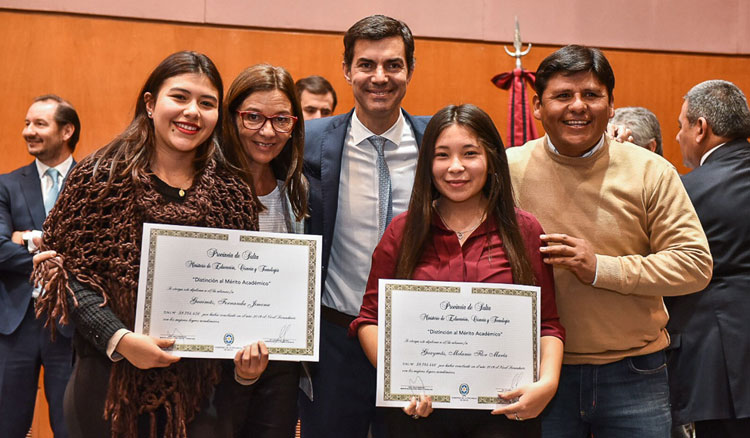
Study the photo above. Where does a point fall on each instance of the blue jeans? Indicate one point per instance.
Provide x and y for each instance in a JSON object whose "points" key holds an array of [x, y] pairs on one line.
{"points": [[625, 399]]}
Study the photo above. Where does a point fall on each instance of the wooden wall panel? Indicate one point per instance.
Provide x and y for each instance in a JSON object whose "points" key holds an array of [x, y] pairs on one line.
{"points": [[99, 64]]}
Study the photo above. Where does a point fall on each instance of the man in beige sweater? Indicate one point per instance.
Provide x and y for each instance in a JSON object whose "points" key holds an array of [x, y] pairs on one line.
{"points": [[621, 234]]}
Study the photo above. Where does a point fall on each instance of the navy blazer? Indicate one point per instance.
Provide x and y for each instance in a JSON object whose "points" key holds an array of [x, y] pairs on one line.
{"points": [[324, 145], [21, 208], [710, 330]]}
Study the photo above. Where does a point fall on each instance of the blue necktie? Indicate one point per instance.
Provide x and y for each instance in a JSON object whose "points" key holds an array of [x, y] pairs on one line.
{"points": [[53, 191], [385, 201]]}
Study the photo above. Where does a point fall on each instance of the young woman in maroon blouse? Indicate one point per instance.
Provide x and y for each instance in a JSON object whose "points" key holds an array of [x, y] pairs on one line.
{"points": [[462, 225]]}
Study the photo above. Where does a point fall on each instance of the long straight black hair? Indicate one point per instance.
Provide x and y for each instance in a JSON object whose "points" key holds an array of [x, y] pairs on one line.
{"points": [[498, 191]]}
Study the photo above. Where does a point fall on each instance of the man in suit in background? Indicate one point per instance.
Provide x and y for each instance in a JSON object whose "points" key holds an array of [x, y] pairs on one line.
{"points": [[26, 197], [711, 330], [317, 97], [360, 167]]}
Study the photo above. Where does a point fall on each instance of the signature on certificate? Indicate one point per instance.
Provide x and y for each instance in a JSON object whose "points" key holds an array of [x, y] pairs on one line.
{"points": [[177, 334], [514, 383], [282, 338], [416, 386]]}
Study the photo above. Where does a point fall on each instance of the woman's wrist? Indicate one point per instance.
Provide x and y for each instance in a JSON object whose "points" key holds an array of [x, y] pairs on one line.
{"points": [[244, 380]]}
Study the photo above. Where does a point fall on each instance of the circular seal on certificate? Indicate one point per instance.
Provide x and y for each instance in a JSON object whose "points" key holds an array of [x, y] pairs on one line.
{"points": [[463, 389], [228, 338]]}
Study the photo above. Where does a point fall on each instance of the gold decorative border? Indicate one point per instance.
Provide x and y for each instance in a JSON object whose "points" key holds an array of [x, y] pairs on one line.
{"points": [[389, 288], [491, 400], [199, 348], [309, 349], [155, 232], [520, 293]]}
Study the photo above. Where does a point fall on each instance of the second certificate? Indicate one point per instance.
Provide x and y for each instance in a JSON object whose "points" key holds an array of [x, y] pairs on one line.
{"points": [[460, 343]]}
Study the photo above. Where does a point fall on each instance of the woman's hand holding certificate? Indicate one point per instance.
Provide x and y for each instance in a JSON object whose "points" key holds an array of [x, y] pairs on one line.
{"points": [[215, 291], [460, 343]]}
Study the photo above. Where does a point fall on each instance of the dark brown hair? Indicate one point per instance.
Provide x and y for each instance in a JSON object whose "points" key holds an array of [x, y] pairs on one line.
{"points": [[574, 59], [378, 27], [287, 165], [498, 191], [316, 85], [65, 114], [131, 151]]}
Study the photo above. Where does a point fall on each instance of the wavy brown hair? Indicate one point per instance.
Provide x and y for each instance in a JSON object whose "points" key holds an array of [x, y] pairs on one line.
{"points": [[131, 151], [498, 191], [287, 166]]}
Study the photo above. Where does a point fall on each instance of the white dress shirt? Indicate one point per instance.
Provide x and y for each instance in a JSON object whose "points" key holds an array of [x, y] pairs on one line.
{"points": [[709, 152], [356, 231], [46, 180], [591, 151]]}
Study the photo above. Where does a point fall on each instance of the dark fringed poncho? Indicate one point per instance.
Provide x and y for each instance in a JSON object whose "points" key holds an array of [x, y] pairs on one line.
{"points": [[99, 243]]}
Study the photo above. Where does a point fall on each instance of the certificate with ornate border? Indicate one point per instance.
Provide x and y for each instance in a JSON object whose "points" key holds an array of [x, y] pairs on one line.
{"points": [[460, 343], [215, 291]]}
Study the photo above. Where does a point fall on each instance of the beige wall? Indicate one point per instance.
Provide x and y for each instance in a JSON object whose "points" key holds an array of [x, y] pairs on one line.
{"points": [[99, 64], [674, 25]]}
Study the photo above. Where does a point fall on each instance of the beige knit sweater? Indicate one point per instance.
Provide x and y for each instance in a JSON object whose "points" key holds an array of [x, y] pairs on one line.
{"points": [[630, 205]]}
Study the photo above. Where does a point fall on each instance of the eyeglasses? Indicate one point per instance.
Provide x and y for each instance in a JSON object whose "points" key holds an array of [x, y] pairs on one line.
{"points": [[254, 120]]}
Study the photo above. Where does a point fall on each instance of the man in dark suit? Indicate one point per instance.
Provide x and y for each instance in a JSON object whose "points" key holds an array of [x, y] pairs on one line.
{"points": [[711, 330], [26, 196], [360, 167]]}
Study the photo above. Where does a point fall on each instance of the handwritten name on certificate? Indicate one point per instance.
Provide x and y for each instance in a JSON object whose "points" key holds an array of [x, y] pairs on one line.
{"points": [[215, 291], [460, 343]]}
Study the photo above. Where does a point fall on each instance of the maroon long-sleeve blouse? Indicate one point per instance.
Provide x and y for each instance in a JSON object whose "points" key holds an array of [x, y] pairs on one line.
{"points": [[482, 258]]}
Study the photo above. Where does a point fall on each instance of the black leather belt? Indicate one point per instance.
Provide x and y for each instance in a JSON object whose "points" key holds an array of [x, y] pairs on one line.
{"points": [[336, 317]]}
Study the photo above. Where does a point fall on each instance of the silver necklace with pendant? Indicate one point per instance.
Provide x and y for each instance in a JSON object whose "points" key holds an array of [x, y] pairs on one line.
{"points": [[460, 234]]}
